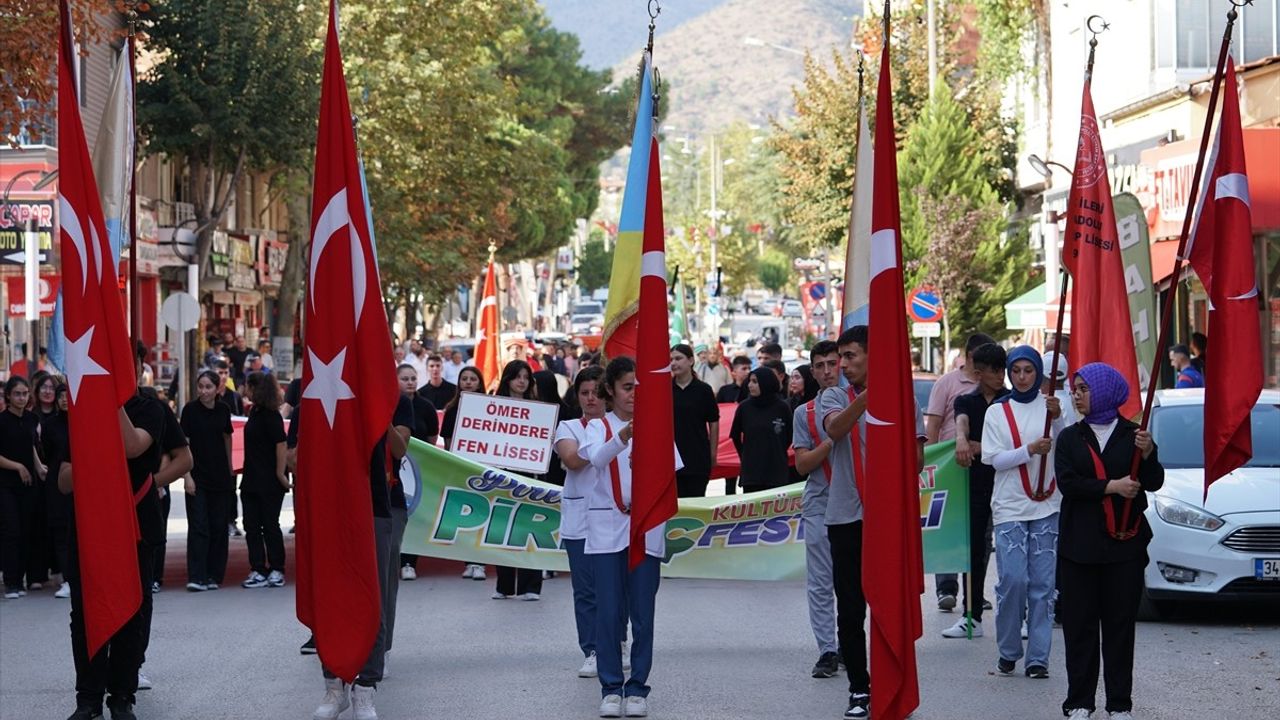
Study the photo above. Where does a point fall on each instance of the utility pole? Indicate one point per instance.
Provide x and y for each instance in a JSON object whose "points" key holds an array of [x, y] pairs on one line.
{"points": [[933, 45]]}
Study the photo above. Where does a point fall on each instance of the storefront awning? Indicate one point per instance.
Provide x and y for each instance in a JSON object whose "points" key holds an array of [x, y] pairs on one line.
{"points": [[1027, 311]]}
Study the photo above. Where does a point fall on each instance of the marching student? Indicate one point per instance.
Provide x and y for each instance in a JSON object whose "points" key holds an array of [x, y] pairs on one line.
{"points": [[1101, 576], [761, 433], [207, 425], [843, 413], [1025, 519], [20, 476], [813, 449], [621, 594], [426, 426], [517, 381], [579, 475], [470, 379], [263, 485]]}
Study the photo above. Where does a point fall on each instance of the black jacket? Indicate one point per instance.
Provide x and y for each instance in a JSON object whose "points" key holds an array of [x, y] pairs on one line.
{"points": [[761, 432], [1082, 527]]}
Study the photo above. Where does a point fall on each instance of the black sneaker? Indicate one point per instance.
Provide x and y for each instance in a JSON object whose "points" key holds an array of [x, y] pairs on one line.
{"points": [[827, 666], [859, 706], [86, 713], [946, 603], [1006, 667], [1038, 672], [121, 709], [308, 647], [986, 604]]}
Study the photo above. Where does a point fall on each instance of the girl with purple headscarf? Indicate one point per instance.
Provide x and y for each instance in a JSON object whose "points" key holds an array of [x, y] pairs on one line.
{"points": [[1102, 554], [1024, 513]]}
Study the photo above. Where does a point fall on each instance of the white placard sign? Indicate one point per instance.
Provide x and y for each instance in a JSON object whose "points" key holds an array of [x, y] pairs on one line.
{"points": [[505, 432]]}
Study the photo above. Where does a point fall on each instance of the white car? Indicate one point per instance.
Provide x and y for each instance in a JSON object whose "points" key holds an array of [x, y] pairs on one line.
{"points": [[792, 309], [1228, 546]]}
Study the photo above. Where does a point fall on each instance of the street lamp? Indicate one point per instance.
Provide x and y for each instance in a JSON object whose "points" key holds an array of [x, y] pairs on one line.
{"points": [[1042, 166], [31, 266]]}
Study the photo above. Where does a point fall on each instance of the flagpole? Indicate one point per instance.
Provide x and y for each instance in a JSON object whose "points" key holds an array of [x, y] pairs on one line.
{"points": [[135, 321], [1063, 280]]}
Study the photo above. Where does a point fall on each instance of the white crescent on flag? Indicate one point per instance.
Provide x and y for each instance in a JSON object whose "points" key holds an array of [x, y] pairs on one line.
{"points": [[334, 218]]}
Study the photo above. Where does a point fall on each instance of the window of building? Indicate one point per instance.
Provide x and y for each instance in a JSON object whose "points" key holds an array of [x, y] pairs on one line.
{"points": [[1189, 32]]}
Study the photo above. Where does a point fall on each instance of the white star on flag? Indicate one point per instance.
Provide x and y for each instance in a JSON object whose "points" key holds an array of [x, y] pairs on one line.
{"points": [[327, 384], [79, 363]]}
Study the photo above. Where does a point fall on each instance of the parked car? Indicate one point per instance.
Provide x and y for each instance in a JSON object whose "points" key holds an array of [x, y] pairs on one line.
{"points": [[587, 317], [792, 309], [753, 299], [1225, 547], [769, 306], [922, 385]]}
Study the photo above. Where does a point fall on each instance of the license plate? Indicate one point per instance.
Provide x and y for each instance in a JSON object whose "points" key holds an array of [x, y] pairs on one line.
{"points": [[1266, 568]]}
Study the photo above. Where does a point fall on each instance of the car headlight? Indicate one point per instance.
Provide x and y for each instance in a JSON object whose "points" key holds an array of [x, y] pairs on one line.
{"points": [[1176, 512]]}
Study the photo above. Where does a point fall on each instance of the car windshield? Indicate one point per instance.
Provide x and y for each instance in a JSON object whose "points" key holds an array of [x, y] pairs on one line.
{"points": [[1179, 433], [922, 388], [586, 309]]}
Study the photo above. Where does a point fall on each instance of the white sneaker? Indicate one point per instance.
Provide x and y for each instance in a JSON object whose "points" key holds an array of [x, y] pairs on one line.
{"points": [[35, 586], [196, 587], [362, 703], [611, 706], [12, 595], [144, 682], [588, 669], [255, 580], [1122, 715], [408, 573], [1024, 629], [961, 629], [531, 597], [275, 579], [637, 706], [1078, 714], [626, 657], [469, 571], [64, 591], [335, 700], [498, 596], [477, 572]]}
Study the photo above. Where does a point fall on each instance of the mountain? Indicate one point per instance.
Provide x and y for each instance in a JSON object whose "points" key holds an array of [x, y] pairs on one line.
{"points": [[720, 60]]}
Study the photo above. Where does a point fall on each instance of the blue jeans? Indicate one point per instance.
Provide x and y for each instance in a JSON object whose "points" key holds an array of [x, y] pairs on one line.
{"points": [[1026, 562], [619, 595], [584, 594]]}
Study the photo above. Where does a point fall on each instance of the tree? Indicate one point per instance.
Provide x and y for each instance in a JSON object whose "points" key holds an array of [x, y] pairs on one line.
{"points": [[775, 270], [29, 56], [235, 89], [595, 265]]}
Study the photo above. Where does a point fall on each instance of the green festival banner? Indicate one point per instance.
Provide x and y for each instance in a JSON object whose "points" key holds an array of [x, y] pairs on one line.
{"points": [[1135, 248], [460, 510]]}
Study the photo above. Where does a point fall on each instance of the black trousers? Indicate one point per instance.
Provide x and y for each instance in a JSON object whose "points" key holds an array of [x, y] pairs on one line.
{"points": [[979, 547], [1099, 599], [851, 604], [262, 529], [35, 531], [114, 669], [518, 582], [691, 485], [157, 559], [207, 535], [13, 557]]}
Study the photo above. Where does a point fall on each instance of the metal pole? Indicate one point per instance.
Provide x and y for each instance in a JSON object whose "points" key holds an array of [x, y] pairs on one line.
{"points": [[31, 270], [933, 45], [135, 307]]}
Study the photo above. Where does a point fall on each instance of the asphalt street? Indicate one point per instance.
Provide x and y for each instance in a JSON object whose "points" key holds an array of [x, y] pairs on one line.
{"points": [[723, 650]]}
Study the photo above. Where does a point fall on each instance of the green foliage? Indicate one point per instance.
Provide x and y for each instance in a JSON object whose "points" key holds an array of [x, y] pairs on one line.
{"points": [[774, 270], [595, 264]]}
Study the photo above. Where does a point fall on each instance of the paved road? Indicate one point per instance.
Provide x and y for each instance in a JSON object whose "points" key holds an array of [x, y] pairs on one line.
{"points": [[724, 650]]}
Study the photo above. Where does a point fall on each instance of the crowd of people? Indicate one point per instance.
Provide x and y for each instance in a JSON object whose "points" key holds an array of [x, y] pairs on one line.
{"points": [[1046, 453]]}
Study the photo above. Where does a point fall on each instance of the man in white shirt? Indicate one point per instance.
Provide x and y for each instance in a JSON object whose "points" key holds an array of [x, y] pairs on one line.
{"points": [[453, 366], [417, 357]]}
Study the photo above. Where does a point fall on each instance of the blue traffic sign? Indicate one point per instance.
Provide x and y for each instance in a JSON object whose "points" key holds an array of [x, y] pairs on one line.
{"points": [[924, 305]]}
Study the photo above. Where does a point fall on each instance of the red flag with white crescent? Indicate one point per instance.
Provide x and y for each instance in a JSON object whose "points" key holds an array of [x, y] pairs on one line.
{"points": [[1100, 326], [1221, 251], [487, 341], [100, 376], [891, 521], [348, 395]]}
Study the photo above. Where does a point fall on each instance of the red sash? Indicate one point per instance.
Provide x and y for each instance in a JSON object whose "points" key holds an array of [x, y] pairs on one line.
{"points": [[1036, 495], [141, 494], [855, 451], [614, 473], [813, 433], [1108, 509]]}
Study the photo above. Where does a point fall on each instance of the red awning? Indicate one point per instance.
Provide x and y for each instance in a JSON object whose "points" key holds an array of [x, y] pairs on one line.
{"points": [[1163, 255]]}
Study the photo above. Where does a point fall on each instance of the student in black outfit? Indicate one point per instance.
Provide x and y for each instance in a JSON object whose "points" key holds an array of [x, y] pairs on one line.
{"points": [[52, 427], [548, 390], [802, 387], [517, 381], [470, 379], [173, 443], [426, 426], [761, 432], [263, 485], [697, 424], [232, 399], [40, 556], [207, 425], [1100, 576], [436, 388], [971, 411], [736, 391], [19, 484]]}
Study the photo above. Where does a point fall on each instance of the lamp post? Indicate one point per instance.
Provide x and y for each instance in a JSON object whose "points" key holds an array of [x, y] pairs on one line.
{"points": [[31, 264]]}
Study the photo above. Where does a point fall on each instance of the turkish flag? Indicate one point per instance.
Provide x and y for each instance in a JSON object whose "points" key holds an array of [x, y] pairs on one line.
{"points": [[100, 376], [348, 395], [487, 342], [892, 565], [1221, 251], [1100, 326]]}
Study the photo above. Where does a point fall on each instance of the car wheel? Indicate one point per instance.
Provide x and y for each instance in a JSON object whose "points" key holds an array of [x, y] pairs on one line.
{"points": [[1151, 610]]}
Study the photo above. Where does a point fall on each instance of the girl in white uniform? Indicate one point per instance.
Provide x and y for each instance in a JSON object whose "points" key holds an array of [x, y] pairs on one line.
{"points": [[619, 594], [579, 477]]}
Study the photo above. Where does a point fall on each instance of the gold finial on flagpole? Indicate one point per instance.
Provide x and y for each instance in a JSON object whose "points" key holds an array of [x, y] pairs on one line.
{"points": [[492, 249]]}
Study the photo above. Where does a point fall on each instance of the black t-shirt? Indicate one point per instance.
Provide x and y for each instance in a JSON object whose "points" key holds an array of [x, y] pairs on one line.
{"points": [[207, 430], [233, 401], [982, 477], [235, 358], [762, 434], [378, 485], [448, 422], [293, 393], [426, 423], [148, 415], [18, 444], [438, 395], [262, 433], [55, 444], [732, 393], [695, 406], [406, 416]]}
